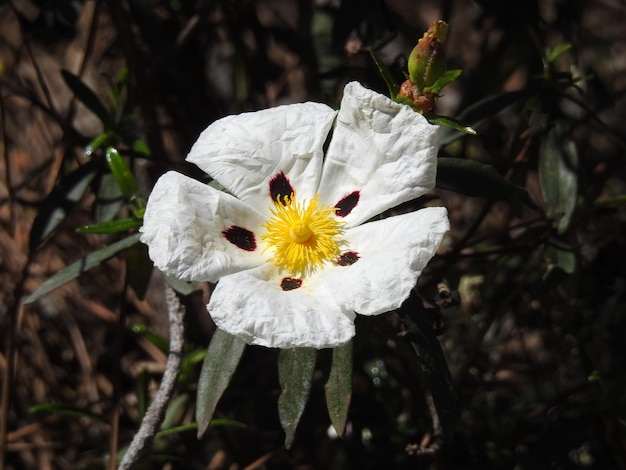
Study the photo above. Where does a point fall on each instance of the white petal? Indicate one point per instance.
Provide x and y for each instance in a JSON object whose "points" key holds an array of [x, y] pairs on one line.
{"points": [[383, 149], [252, 306], [245, 151], [393, 252], [183, 227]]}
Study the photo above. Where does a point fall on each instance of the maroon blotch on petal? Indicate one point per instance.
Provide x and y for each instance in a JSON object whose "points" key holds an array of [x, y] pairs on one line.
{"points": [[290, 283], [240, 237], [348, 258], [280, 187], [345, 205]]}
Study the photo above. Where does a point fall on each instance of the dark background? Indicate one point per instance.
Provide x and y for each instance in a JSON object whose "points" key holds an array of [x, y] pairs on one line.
{"points": [[536, 344]]}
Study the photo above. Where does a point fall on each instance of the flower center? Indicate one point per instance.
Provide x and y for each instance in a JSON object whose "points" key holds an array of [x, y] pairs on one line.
{"points": [[302, 236], [300, 231]]}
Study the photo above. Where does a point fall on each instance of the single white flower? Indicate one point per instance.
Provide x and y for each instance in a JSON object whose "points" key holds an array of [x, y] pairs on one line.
{"points": [[290, 245]]}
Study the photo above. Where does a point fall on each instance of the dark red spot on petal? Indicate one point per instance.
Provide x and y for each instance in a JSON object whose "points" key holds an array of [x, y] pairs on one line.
{"points": [[348, 258], [240, 237], [345, 205], [290, 283], [280, 188]]}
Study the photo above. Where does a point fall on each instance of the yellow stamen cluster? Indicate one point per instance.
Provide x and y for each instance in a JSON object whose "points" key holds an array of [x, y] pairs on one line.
{"points": [[302, 237]]}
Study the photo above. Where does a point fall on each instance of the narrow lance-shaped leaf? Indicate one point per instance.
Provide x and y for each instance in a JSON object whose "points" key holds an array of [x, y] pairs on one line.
{"points": [[139, 269], [111, 226], [77, 268], [480, 111], [87, 97], [295, 374], [450, 122], [561, 254], [182, 287], [219, 365], [67, 410], [110, 199], [559, 49], [448, 77], [122, 174], [473, 178], [338, 388], [157, 340], [384, 71], [97, 142], [60, 201], [558, 175]]}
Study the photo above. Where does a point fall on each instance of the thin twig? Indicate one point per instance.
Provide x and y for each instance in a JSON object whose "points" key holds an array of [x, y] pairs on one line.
{"points": [[154, 416]]}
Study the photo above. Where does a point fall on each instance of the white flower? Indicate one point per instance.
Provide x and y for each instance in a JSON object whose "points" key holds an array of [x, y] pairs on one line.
{"points": [[291, 248]]}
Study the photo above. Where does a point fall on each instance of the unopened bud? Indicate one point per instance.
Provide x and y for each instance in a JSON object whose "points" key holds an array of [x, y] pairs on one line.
{"points": [[427, 61]]}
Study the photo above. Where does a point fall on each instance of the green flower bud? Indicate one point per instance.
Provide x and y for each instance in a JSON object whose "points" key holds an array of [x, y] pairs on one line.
{"points": [[427, 61]]}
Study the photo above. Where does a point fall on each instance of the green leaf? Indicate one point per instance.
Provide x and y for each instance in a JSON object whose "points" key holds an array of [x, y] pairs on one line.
{"points": [[295, 374], [112, 226], [110, 199], [177, 429], [228, 423], [141, 147], [176, 410], [338, 388], [87, 97], [621, 199], [182, 287], [559, 253], [142, 391], [558, 175], [55, 207], [448, 77], [450, 122], [122, 174], [139, 268], [557, 51], [66, 410], [219, 365], [231, 423], [384, 71], [473, 178], [404, 100], [482, 110], [77, 268], [159, 341], [96, 143]]}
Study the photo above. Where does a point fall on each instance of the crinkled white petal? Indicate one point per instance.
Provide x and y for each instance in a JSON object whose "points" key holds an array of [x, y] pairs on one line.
{"points": [[383, 149], [183, 227], [243, 152], [393, 252], [252, 306]]}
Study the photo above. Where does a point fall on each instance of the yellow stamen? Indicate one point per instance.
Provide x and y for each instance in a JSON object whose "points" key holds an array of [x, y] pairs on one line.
{"points": [[302, 237]]}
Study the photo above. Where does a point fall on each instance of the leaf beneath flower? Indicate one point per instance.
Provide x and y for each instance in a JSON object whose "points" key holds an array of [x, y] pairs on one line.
{"points": [[219, 365], [295, 374], [338, 388]]}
